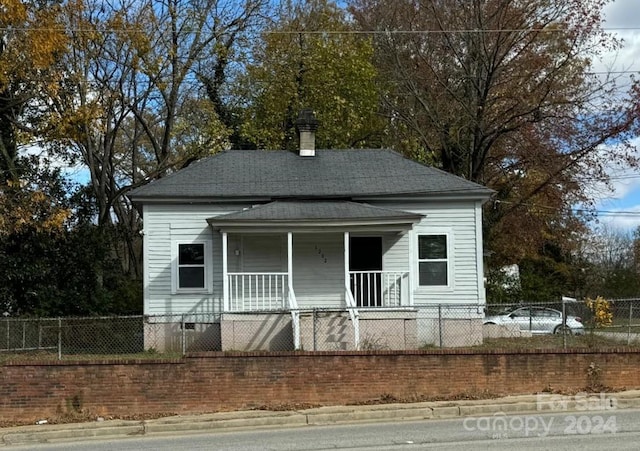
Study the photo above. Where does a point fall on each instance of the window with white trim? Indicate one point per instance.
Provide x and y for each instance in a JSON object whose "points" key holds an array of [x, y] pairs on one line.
{"points": [[433, 260], [191, 266]]}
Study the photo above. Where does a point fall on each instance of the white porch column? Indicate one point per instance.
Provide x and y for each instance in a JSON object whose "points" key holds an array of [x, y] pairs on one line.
{"points": [[290, 259], [412, 262], [293, 303], [482, 295], [225, 275], [348, 300], [346, 259]]}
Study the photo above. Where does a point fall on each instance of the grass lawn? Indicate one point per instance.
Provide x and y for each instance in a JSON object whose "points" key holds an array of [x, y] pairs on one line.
{"points": [[622, 324], [53, 355], [553, 342]]}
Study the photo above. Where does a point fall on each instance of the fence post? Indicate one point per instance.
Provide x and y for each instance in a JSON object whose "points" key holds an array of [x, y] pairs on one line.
{"points": [[564, 324], [629, 325], [314, 329], [440, 324], [59, 338], [183, 336]]}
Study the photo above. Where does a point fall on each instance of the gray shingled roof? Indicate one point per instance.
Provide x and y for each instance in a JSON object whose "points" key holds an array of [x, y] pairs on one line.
{"points": [[301, 211], [282, 174]]}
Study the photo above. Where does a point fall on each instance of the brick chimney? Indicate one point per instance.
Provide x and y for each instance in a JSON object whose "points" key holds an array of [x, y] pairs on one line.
{"points": [[307, 124]]}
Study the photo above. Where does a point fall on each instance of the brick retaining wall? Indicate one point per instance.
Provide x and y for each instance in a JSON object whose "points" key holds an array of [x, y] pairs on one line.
{"points": [[210, 382]]}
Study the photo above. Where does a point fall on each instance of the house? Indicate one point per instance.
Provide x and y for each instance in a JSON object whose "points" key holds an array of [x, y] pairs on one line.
{"points": [[271, 245]]}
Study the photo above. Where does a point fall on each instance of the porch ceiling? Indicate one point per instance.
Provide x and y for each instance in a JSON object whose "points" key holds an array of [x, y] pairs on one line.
{"points": [[312, 214]]}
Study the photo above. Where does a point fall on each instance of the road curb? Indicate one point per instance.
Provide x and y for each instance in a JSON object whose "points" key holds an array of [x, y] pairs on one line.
{"points": [[543, 403], [213, 422], [490, 409], [319, 419], [27, 435]]}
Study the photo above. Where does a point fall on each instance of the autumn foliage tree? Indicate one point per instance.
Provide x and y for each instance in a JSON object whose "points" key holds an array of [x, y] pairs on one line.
{"points": [[53, 259], [133, 104], [501, 92], [31, 43]]}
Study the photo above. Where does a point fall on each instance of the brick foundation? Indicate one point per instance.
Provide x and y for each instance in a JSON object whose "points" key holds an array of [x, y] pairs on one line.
{"points": [[210, 382]]}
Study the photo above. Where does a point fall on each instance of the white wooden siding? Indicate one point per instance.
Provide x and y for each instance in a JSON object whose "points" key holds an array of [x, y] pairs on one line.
{"points": [[262, 253], [163, 225], [395, 252], [317, 283], [234, 259], [318, 269], [458, 219]]}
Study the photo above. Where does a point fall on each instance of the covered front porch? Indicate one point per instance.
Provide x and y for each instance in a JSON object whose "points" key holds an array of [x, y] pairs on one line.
{"points": [[261, 291], [286, 256]]}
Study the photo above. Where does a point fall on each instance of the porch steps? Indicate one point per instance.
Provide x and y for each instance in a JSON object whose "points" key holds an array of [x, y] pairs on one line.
{"points": [[326, 330]]}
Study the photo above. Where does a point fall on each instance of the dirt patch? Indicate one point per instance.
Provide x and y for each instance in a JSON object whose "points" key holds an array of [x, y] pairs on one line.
{"points": [[88, 417], [287, 407], [392, 399]]}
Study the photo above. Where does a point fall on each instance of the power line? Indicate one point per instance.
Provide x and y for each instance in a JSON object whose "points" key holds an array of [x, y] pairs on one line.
{"points": [[328, 32], [613, 72], [607, 179], [621, 213], [616, 177], [441, 31], [346, 32]]}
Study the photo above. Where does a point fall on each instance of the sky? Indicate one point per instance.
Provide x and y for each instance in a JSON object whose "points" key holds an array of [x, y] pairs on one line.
{"points": [[622, 18]]}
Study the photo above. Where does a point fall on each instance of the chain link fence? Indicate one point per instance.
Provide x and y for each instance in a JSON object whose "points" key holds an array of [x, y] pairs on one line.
{"points": [[71, 336], [568, 324], [624, 324]]}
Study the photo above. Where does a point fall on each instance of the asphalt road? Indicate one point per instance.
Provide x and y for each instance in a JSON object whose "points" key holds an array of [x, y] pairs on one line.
{"points": [[583, 430]]}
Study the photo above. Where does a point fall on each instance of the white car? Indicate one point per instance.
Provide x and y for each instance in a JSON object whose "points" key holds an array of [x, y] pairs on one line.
{"points": [[537, 320]]}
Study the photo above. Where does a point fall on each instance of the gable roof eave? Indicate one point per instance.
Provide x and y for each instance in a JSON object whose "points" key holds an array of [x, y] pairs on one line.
{"points": [[313, 214], [483, 195], [237, 174]]}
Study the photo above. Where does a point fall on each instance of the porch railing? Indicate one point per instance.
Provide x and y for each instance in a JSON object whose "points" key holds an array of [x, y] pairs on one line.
{"points": [[258, 291], [270, 291], [379, 288], [355, 316], [295, 317]]}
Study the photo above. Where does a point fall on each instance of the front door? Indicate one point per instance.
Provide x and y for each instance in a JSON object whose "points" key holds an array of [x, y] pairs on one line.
{"points": [[365, 264]]}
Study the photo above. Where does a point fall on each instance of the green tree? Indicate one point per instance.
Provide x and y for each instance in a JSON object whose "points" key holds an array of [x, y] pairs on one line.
{"points": [[311, 57], [608, 265], [545, 278], [67, 273], [53, 260]]}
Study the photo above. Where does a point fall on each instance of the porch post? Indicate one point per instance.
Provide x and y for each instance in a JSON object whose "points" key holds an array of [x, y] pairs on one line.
{"points": [[348, 297], [293, 303], [225, 276], [290, 258], [346, 259], [412, 259]]}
